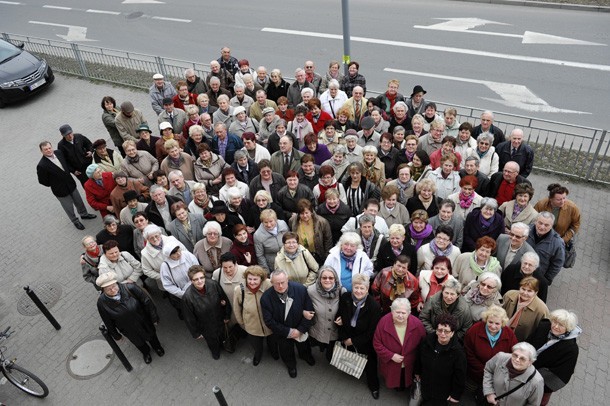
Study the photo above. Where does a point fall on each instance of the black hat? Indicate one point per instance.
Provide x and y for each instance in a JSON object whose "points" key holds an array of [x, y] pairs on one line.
{"points": [[130, 195], [367, 123], [99, 143], [65, 130], [167, 100], [219, 207], [418, 89]]}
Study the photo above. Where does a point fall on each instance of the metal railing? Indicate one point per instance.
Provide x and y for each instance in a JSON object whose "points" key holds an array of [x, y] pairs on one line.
{"points": [[561, 148]]}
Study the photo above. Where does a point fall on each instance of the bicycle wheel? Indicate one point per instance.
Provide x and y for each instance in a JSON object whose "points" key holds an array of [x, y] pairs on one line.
{"points": [[25, 380]]}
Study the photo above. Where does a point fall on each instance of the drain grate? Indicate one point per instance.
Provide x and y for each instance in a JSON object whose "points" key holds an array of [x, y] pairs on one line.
{"points": [[48, 293], [89, 358]]}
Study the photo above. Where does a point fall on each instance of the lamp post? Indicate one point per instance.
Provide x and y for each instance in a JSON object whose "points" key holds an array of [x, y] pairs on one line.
{"points": [[346, 38]]}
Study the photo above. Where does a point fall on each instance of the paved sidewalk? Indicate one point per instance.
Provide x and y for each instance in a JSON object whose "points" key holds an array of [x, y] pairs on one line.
{"points": [[39, 244]]}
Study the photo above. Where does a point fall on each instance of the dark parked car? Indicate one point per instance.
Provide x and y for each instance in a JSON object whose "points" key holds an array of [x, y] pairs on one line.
{"points": [[21, 73]]}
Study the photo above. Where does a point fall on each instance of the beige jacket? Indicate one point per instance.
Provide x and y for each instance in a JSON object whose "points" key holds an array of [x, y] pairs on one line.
{"points": [[249, 313]]}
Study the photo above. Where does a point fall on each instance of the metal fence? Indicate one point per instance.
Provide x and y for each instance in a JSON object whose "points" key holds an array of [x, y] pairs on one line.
{"points": [[570, 150]]}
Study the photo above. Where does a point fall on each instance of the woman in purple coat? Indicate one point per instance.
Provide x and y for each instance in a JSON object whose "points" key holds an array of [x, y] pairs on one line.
{"points": [[483, 221]]}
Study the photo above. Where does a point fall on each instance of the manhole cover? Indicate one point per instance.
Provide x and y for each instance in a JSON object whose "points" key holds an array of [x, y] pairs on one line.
{"points": [[48, 293], [89, 358], [135, 14]]}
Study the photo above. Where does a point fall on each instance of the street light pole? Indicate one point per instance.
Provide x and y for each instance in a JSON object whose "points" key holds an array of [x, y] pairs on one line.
{"points": [[346, 38]]}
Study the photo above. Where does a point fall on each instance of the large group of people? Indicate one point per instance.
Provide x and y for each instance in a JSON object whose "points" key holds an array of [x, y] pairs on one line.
{"points": [[305, 214]]}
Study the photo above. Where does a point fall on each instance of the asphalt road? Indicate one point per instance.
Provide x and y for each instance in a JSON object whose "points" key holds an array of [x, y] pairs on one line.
{"points": [[489, 68]]}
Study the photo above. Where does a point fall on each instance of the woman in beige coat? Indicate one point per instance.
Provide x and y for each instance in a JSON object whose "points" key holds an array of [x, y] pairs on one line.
{"points": [[296, 260], [520, 209], [248, 311], [524, 308]]}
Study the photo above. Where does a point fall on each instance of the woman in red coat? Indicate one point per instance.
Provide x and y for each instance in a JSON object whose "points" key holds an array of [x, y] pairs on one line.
{"points": [[98, 189], [483, 340], [396, 339]]}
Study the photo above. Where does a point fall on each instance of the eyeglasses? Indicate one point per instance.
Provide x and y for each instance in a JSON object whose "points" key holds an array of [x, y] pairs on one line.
{"points": [[212, 233], [441, 238], [327, 278], [485, 285], [443, 331], [516, 236], [520, 357]]}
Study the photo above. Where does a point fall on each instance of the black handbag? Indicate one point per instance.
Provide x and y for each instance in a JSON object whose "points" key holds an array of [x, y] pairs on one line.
{"points": [[570, 253]]}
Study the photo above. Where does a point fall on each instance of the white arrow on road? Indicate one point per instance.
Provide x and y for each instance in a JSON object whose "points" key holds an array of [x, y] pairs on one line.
{"points": [[75, 32], [512, 95], [528, 37]]}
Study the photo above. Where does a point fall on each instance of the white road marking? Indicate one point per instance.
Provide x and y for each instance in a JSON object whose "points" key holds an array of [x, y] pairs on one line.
{"points": [[57, 7], [512, 95], [13, 3], [528, 37], [116, 13], [179, 20], [143, 2], [462, 51], [75, 32]]}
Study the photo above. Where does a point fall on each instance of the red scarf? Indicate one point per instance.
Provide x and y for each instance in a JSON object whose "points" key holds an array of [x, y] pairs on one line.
{"points": [[323, 190], [254, 290], [96, 253], [392, 100], [309, 77]]}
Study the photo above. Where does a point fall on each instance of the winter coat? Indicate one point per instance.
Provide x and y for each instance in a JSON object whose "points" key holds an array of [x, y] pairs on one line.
{"points": [[511, 278], [157, 95], [551, 250], [479, 350], [203, 313], [206, 175], [530, 317], [425, 256], [383, 284], [568, 220], [324, 329], [268, 245], [274, 92], [75, 152], [174, 273], [503, 247], [462, 271], [201, 252], [457, 225], [387, 258], [496, 380], [489, 163], [133, 316], [425, 284], [323, 238], [459, 210], [434, 307], [368, 318], [152, 259], [362, 264], [234, 143], [108, 118], [186, 166], [336, 220], [289, 202], [524, 156], [414, 203], [248, 311], [98, 196], [387, 343], [146, 164], [303, 269], [527, 215], [477, 309], [256, 184], [274, 311], [445, 186], [127, 268], [473, 229], [111, 164]]}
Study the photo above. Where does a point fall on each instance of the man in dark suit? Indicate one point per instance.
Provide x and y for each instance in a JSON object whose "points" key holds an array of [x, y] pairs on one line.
{"points": [[53, 171], [287, 158], [515, 150], [77, 150], [511, 247], [283, 308], [471, 167], [487, 125], [158, 211]]}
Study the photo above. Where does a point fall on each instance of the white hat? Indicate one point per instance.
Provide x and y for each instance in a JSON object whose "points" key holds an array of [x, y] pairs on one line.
{"points": [[238, 109], [164, 125], [106, 279], [157, 76]]}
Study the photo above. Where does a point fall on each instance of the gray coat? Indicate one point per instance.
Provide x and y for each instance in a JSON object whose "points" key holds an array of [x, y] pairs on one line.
{"points": [[434, 307], [267, 245], [551, 251], [496, 380], [157, 95], [146, 164], [324, 328], [188, 240], [503, 245]]}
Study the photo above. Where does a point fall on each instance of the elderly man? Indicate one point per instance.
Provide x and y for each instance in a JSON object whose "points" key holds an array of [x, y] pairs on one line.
{"points": [[228, 62], [511, 247], [241, 99], [333, 98], [312, 77], [471, 167], [180, 188], [283, 308], [245, 168], [195, 84], [294, 91], [216, 71], [225, 144], [548, 245], [176, 117], [515, 150], [433, 140], [53, 171], [371, 207], [287, 158], [487, 120], [502, 184], [128, 121], [158, 211], [368, 135], [527, 266], [356, 104], [262, 79], [216, 90], [371, 238], [159, 90], [256, 110], [77, 150], [108, 159]]}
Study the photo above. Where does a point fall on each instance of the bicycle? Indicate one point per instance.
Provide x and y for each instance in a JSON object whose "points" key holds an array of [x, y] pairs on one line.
{"points": [[18, 376]]}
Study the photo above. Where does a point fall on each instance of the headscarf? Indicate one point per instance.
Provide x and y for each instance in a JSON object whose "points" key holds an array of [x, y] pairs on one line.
{"points": [[334, 292]]}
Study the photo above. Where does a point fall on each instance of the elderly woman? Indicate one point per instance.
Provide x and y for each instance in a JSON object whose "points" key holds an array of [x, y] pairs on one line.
{"points": [[140, 221], [268, 125], [469, 266], [448, 300], [122, 234], [224, 112], [445, 177], [441, 363], [358, 188], [432, 281], [211, 247], [483, 340], [108, 119], [396, 340], [127, 310], [391, 210], [248, 311], [524, 308], [348, 259], [466, 200], [152, 253], [447, 147], [404, 183], [567, 214], [331, 137], [316, 116], [464, 139], [98, 188], [90, 260], [419, 232], [513, 378], [528, 266], [388, 155], [237, 207], [266, 180], [107, 159], [243, 246], [520, 209], [400, 117], [338, 162], [353, 79], [242, 123], [354, 151], [446, 217], [208, 169], [325, 294], [334, 72], [278, 87], [284, 113], [229, 180], [335, 211], [126, 268], [482, 293], [316, 149], [139, 165], [174, 273], [202, 203], [196, 138], [296, 260], [418, 126], [357, 318], [425, 198], [314, 231], [441, 245], [486, 153], [263, 201], [483, 221], [268, 238], [396, 282], [203, 101], [186, 227], [420, 165], [407, 146], [176, 159], [374, 169], [557, 350], [300, 126], [395, 246]]}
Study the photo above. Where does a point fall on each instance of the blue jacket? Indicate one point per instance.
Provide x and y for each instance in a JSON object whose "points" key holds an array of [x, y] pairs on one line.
{"points": [[273, 310], [234, 143], [551, 251]]}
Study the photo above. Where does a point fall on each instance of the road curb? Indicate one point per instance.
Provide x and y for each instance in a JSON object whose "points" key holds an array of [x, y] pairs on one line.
{"points": [[544, 4]]}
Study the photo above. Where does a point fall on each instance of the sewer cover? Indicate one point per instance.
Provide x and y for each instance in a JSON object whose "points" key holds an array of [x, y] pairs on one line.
{"points": [[48, 293], [89, 358], [134, 15]]}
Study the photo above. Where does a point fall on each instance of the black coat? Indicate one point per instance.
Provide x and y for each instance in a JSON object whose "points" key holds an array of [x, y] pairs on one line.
{"points": [[76, 152], [273, 143], [252, 171], [133, 315], [153, 212], [253, 216], [442, 371], [275, 92], [386, 257], [415, 204], [203, 314], [124, 237], [256, 185], [289, 203], [337, 220], [524, 156], [483, 181], [273, 310], [150, 148], [473, 229], [391, 163], [362, 334], [497, 133], [50, 175], [511, 277]]}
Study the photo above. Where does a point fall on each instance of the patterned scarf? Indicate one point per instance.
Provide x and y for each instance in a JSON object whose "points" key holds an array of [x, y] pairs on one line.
{"points": [[474, 295], [349, 261], [358, 304], [134, 160], [517, 210], [466, 201], [214, 256], [439, 252], [398, 287]]}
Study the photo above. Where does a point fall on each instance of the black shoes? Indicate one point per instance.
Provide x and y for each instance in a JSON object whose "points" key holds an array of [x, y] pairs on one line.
{"points": [[79, 225], [256, 361], [292, 373], [160, 351], [310, 360], [147, 358], [275, 355], [375, 394], [88, 216], [216, 355]]}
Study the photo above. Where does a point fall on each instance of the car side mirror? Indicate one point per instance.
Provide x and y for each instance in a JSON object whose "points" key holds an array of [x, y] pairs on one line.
{"points": [[20, 45]]}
